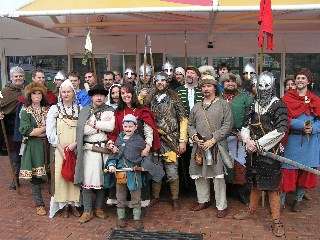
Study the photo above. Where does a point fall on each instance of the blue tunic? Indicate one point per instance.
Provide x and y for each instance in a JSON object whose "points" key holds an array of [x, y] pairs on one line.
{"points": [[128, 157], [302, 148], [83, 98]]}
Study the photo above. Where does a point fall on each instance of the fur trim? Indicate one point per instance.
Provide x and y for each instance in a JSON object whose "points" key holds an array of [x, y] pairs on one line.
{"points": [[207, 70], [32, 87]]}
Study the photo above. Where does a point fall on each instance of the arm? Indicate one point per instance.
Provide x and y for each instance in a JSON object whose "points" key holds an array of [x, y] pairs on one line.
{"points": [[51, 126], [107, 122], [280, 119], [227, 123], [192, 124]]}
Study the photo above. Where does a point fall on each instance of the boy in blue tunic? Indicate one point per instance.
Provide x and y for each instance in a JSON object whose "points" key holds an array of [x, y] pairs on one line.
{"points": [[126, 164]]}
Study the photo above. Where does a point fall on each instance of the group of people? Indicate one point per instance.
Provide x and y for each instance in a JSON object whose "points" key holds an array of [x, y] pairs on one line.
{"points": [[184, 126]]}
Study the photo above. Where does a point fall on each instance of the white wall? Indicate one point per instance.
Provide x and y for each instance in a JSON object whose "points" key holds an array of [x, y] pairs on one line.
{"points": [[225, 44]]}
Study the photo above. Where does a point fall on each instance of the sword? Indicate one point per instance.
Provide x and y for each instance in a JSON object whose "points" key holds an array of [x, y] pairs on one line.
{"points": [[289, 161], [119, 170]]}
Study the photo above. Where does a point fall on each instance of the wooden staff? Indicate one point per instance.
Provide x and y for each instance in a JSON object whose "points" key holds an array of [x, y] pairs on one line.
{"points": [[13, 171]]}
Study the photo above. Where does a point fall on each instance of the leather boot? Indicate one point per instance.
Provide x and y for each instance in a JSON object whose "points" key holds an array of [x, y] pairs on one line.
{"points": [[156, 188], [86, 217], [121, 222], [200, 206], [99, 213]]}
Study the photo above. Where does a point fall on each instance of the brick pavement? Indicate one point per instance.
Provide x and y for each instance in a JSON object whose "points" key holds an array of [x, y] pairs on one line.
{"points": [[19, 221]]}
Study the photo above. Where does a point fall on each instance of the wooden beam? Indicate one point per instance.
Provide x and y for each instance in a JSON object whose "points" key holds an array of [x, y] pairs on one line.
{"points": [[183, 16], [39, 25], [54, 19], [128, 23]]}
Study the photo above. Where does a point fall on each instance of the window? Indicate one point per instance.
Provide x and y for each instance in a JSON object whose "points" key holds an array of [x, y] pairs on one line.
{"points": [[121, 62], [100, 64], [193, 61], [295, 61], [49, 64]]}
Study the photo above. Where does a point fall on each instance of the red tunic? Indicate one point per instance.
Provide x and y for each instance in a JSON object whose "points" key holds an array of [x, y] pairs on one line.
{"points": [[143, 114]]}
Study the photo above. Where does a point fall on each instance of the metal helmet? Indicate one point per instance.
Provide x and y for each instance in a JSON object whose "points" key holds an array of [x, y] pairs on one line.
{"points": [[129, 72], [148, 70], [266, 81], [249, 71], [60, 76], [168, 68]]}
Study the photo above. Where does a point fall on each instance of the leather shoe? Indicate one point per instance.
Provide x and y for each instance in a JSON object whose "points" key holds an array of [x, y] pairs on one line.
{"points": [[75, 212], [200, 206], [99, 212], [277, 228], [154, 202], [85, 217], [222, 213]]}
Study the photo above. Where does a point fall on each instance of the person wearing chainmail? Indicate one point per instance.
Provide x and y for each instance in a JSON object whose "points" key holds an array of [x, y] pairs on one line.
{"points": [[265, 127], [210, 121], [240, 101], [172, 121], [145, 86], [94, 122]]}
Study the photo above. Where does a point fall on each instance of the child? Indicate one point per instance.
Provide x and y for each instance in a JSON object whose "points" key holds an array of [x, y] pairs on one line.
{"points": [[127, 157]]}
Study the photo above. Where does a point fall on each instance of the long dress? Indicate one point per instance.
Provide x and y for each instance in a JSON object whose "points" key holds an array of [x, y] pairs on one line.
{"points": [[61, 129], [33, 158]]}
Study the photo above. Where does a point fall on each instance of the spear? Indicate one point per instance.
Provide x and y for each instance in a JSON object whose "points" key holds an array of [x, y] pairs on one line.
{"points": [[13, 171], [151, 57]]}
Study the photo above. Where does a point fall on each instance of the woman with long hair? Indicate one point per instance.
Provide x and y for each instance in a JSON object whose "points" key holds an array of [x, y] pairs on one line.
{"points": [[147, 128]]}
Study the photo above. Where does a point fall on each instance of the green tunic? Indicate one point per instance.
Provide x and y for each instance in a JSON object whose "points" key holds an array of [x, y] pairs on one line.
{"points": [[240, 104], [33, 158]]}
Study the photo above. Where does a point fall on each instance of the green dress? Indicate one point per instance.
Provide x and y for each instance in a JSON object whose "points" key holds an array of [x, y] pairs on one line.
{"points": [[33, 158]]}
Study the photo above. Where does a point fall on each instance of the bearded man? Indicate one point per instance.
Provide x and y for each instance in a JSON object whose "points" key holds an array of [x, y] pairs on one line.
{"points": [[172, 122], [240, 102]]}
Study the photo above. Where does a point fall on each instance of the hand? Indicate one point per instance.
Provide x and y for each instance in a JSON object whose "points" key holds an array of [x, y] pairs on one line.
{"points": [[72, 146], [112, 169], [114, 149], [208, 144], [182, 147], [145, 151], [1, 115], [308, 129], [87, 146], [251, 145], [197, 140]]}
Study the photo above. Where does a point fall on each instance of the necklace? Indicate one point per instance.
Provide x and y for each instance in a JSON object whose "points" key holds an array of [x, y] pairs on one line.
{"points": [[206, 106], [65, 114], [38, 115]]}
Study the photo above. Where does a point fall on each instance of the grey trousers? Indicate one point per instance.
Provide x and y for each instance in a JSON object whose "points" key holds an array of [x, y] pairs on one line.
{"points": [[36, 191], [87, 198], [122, 197], [203, 191]]}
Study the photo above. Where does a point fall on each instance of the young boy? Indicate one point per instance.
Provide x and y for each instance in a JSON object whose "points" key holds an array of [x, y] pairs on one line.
{"points": [[126, 164]]}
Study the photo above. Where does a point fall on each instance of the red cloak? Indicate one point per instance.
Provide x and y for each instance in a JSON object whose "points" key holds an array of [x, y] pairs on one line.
{"points": [[143, 114]]}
